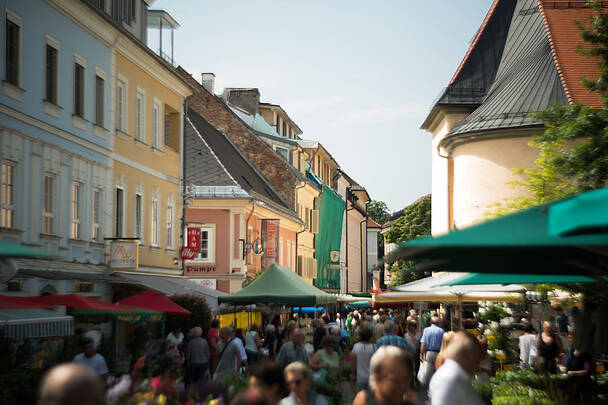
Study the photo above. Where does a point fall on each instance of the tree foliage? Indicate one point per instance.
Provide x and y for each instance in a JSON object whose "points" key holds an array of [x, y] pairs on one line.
{"points": [[200, 313]]}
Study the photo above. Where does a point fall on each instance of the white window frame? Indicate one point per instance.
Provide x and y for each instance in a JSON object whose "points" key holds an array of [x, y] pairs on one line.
{"points": [[49, 215], [155, 222], [76, 210], [78, 59], [8, 208], [139, 218], [158, 121], [169, 225], [96, 234], [140, 116], [53, 43], [210, 245], [102, 75], [17, 20], [122, 104]]}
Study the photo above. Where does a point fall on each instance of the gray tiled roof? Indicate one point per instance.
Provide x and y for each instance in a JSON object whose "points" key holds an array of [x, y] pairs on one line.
{"points": [[526, 81]]}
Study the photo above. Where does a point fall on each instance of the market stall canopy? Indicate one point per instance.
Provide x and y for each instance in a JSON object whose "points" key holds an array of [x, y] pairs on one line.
{"points": [[358, 305], [80, 302], [123, 314], [155, 302], [516, 243], [398, 298], [499, 278], [440, 280], [281, 286], [19, 324], [586, 213]]}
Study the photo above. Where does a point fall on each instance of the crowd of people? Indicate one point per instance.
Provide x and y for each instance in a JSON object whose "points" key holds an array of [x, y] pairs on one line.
{"points": [[367, 357]]}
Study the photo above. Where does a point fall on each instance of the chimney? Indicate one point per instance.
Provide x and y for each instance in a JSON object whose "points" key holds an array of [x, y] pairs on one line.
{"points": [[208, 81]]}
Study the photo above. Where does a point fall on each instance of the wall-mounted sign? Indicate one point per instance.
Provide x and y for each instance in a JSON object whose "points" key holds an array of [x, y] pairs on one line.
{"points": [[199, 268], [257, 247], [194, 239], [124, 255], [334, 256], [270, 241], [186, 253], [206, 282]]}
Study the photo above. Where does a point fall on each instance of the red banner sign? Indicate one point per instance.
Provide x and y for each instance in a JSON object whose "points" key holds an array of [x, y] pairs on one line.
{"points": [[187, 253], [194, 239]]}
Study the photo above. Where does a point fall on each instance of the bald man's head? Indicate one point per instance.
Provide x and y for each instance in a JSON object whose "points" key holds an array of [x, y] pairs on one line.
{"points": [[465, 350], [71, 384]]}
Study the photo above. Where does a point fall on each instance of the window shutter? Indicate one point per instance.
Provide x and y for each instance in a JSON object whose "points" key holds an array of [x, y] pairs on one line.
{"points": [[315, 221], [299, 266]]}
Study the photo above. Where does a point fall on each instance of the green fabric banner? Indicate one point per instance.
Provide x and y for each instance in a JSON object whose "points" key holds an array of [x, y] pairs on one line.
{"points": [[329, 238]]}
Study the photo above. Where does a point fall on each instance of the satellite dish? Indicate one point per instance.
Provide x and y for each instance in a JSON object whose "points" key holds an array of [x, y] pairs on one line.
{"points": [[8, 269]]}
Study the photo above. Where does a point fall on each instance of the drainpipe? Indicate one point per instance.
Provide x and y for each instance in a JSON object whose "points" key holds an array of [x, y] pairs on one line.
{"points": [[346, 231], [363, 253]]}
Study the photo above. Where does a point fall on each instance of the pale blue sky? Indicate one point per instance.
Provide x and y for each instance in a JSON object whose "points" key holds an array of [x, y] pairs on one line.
{"points": [[358, 76]]}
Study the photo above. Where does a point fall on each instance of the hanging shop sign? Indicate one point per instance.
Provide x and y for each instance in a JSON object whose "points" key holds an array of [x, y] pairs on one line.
{"points": [[124, 255], [186, 253], [194, 239], [270, 241]]}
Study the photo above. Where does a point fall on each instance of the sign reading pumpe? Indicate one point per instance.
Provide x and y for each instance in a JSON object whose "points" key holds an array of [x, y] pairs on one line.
{"points": [[270, 241], [124, 255]]}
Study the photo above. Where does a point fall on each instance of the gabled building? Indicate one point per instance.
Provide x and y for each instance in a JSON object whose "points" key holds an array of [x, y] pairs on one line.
{"points": [[522, 60], [245, 225]]}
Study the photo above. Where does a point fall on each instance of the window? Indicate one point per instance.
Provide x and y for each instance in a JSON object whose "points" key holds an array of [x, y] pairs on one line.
{"points": [[118, 213], [140, 105], [167, 129], [99, 100], [206, 253], [156, 124], [78, 90], [138, 216], [75, 213], [7, 195], [11, 60], [121, 106], [283, 152], [48, 215], [52, 64], [169, 219], [96, 225], [155, 236], [123, 11]]}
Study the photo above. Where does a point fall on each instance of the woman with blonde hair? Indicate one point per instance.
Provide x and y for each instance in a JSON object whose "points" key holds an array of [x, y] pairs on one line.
{"points": [[548, 348], [299, 380], [447, 337]]}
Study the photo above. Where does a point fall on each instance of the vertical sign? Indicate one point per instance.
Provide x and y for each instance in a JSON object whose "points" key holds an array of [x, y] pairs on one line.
{"points": [[270, 241], [194, 239]]}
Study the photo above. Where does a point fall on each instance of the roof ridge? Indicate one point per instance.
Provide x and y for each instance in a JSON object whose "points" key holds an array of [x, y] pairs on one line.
{"points": [[210, 149], [480, 31], [558, 66]]}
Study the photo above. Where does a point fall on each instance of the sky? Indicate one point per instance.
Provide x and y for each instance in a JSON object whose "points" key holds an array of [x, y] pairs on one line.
{"points": [[357, 76]]}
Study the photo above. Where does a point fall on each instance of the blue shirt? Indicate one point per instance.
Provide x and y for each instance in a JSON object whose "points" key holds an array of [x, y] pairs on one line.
{"points": [[394, 340], [431, 337]]}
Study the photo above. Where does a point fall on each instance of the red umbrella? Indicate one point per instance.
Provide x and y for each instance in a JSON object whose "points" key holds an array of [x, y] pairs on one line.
{"points": [[156, 302], [78, 301], [7, 302]]}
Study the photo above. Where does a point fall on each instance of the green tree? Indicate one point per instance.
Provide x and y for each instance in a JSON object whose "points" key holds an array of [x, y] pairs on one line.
{"points": [[378, 211], [415, 222], [200, 313]]}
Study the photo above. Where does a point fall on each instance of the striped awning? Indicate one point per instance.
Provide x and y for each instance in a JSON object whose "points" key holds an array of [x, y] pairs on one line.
{"points": [[19, 324]]}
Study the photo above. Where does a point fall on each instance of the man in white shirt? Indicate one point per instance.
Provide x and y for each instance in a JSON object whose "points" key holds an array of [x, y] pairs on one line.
{"points": [[92, 359], [452, 382]]}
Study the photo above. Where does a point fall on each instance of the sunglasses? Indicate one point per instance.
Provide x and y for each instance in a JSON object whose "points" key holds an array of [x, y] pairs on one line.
{"points": [[295, 382]]}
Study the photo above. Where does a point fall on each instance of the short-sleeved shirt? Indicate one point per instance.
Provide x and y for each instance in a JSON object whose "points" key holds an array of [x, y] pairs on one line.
{"points": [[173, 340], [394, 340], [97, 363], [432, 337], [363, 353], [289, 354], [197, 351], [239, 344], [212, 338], [226, 364]]}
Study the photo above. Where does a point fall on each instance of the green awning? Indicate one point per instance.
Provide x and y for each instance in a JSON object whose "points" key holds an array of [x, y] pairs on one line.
{"points": [[280, 286], [585, 213], [358, 304], [498, 278], [138, 315]]}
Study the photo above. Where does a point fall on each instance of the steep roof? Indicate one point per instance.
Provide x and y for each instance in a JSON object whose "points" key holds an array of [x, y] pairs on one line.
{"points": [[224, 165], [526, 81], [559, 18]]}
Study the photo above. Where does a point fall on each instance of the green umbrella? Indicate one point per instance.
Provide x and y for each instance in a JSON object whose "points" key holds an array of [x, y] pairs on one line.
{"points": [[279, 285], [504, 279], [516, 243], [585, 213], [8, 250], [358, 304]]}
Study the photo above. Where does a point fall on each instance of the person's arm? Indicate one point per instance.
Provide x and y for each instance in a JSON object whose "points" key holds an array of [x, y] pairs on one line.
{"points": [[238, 359], [256, 338], [360, 398], [422, 351], [316, 362]]}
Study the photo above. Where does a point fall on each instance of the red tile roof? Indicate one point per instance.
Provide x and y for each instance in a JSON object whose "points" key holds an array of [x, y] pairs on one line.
{"points": [[372, 224], [559, 17]]}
